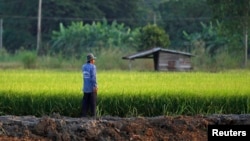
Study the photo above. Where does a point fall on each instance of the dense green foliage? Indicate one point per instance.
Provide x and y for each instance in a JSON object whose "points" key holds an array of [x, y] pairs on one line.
{"points": [[20, 17], [210, 36], [133, 13], [183, 15], [79, 37], [153, 36], [234, 16], [175, 16], [121, 93], [212, 49]]}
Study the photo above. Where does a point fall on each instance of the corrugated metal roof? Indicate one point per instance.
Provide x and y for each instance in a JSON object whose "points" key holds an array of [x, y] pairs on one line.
{"points": [[149, 53]]}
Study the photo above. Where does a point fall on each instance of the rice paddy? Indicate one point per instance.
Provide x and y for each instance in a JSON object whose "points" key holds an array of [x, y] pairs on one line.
{"points": [[125, 93]]}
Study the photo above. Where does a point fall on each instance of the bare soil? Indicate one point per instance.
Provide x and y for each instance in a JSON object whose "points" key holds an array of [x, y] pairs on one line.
{"points": [[107, 128]]}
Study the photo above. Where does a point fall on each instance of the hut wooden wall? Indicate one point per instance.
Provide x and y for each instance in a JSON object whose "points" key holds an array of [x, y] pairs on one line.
{"points": [[174, 62]]}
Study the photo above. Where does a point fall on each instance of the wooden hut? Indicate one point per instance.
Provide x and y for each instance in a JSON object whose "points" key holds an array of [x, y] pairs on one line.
{"points": [[165, 59]]}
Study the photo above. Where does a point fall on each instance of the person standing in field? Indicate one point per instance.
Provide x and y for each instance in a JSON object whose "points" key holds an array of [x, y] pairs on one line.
{"points": [[89, 86]]}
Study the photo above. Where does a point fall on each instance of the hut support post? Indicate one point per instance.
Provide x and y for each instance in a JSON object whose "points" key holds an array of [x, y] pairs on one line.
{"points": [[156, 61]]}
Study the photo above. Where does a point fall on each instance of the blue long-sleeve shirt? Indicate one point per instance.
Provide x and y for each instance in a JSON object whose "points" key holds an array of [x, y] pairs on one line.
{"points": [[89, 77]]}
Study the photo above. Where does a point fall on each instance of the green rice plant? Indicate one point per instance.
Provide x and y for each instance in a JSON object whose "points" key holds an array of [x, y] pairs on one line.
{"points": [[125, 93]]}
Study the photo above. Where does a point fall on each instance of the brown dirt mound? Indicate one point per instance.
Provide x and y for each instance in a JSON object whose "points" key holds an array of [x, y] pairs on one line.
{"points": [[161, 128]]}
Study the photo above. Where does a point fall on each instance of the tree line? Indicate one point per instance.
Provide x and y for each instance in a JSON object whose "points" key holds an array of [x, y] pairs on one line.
{"points": [[218, 24], [20, 17]]}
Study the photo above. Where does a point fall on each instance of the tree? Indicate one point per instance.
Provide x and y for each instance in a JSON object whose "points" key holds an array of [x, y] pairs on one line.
{"points": [[20, 17], [153, 36], [180, 15], [234, 15], [209, 36], [120, 11]]}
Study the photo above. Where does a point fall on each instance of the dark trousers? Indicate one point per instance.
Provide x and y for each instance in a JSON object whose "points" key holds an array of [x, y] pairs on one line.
{"points": [[89, 103]]}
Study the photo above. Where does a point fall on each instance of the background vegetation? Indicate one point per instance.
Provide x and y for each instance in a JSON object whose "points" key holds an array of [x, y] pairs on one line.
{"points": [[70, 29]]}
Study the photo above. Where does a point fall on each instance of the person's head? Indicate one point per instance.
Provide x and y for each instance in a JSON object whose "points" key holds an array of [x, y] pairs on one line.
{"points": [[91, 58]]}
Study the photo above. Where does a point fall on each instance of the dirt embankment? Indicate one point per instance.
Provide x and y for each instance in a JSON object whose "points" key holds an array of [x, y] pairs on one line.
{"points": [[162, 128]]}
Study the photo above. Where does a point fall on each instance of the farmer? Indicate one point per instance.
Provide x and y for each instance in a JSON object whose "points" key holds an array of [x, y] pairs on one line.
{"points": [[89, 86]]}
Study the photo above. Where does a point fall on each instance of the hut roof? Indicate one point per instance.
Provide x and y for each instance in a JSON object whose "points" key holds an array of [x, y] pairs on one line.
{"points": [[149, 53]]}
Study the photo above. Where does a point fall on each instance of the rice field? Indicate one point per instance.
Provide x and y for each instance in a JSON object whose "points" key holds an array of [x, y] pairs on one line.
{"points": [[125, 93]]}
